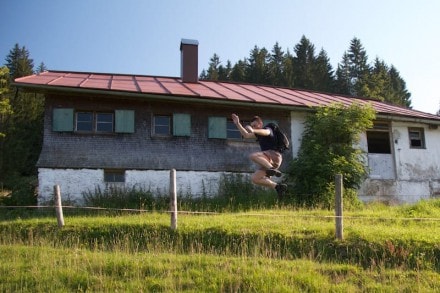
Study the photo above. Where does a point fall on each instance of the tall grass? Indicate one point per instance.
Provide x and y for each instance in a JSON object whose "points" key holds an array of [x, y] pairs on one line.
{"points": [[245, 241]]}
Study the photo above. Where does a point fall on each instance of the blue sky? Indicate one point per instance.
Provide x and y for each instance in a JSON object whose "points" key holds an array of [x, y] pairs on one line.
{"points": [[143, 37]]}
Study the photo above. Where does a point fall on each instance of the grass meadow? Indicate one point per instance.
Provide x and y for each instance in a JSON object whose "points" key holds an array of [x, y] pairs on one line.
{"points": [[278, 249]]}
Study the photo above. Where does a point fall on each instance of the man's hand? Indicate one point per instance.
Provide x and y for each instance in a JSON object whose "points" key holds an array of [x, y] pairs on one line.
{"points": [[235, 119]]}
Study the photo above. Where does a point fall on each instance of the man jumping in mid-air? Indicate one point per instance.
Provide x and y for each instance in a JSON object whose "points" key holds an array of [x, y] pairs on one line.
{"points": [[268, 159]]}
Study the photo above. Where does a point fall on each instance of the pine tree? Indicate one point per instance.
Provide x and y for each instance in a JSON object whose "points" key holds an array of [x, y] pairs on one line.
{"points": [[24, 128], [379, 82], [359, 69], [323, 75], [303, 64], [343, 82], [224, 72], [288, 78], [19, 62], [257, 68], [276, 63], [41, 68], [214, 63], [400, 96], [238, 72]]}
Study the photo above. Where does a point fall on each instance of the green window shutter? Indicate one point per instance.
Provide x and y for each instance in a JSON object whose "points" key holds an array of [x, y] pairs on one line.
{"points": [[181, 124], [217, 127], [124, 121], [62, 119]]}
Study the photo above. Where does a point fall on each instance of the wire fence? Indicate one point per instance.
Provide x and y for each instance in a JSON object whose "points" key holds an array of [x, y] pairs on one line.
{"points": [[174, 212]]}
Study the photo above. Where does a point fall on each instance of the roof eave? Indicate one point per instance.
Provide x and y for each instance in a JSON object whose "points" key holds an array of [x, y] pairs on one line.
{"points": [[199, 99], [168, 97]]}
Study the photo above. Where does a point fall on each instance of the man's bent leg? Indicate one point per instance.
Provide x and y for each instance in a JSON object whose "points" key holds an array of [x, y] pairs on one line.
{"points": [[260, 178], [260, 159]]}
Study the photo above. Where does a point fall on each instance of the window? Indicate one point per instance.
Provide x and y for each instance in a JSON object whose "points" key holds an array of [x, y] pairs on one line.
{"points": [[65, 119], [378, 138], [94, 122], [416, 138], [177, 124], [162, 125], [84, 121], [232, 131], [104, 122], [114, 176]]}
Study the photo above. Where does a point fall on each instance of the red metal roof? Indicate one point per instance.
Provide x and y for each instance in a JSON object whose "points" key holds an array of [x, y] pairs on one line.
{"points": [[213, 90]]}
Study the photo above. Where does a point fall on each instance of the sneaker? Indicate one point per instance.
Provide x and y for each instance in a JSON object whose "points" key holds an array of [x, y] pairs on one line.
{"points": [[271, 172], [281, 190]]}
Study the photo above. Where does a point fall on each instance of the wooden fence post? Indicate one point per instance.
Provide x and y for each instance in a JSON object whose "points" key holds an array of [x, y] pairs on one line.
{"points": [[58, 206], [338, 207], [173, 199]]}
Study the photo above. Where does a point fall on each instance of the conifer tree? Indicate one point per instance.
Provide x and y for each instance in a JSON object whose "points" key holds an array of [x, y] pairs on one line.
{"points": [[323, 75], [303, 64], [343, 81], [238, 72], [24, 128], [213, 68], [400, 96], [288, 75], [358, 68], [19, 62], [276, 69], [257, 70], [41, 68]]}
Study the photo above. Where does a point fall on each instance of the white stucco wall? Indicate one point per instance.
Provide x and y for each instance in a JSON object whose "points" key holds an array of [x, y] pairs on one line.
{"points": [[406, 175], [73, 182], [416, 171]]}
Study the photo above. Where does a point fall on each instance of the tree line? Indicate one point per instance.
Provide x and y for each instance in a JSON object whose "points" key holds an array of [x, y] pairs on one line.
{"points": [[304, 69], [21, 126]]}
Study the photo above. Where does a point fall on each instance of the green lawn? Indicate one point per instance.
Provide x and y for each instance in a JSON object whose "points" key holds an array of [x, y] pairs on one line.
{"points": [[385, 249]]}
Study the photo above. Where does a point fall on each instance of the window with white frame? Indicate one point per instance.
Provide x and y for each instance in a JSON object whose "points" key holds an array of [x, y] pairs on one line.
{"points": [[416, 138]]}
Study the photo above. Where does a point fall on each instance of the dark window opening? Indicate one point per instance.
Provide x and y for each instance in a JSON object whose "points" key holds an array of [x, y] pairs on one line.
{"points": [[378, 142], [416, 138], [378, 139], [113, 176]]}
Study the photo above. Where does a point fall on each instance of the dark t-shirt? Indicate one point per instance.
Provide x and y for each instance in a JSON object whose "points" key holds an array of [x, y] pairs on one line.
{"points": [[266, 142]]}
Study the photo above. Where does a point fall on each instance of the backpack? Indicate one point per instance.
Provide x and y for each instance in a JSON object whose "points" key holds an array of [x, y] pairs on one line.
{"points": [[281, 140]]}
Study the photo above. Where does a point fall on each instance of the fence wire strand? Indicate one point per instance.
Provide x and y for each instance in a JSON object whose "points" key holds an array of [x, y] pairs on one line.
{"points": [[241, 214]]}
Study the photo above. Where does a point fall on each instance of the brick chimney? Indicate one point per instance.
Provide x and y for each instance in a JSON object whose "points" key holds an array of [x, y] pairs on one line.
{"points": [[189, 60]]}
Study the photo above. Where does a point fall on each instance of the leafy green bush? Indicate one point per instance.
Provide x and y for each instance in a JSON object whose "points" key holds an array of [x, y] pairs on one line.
{"points": [[329, 147]]}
